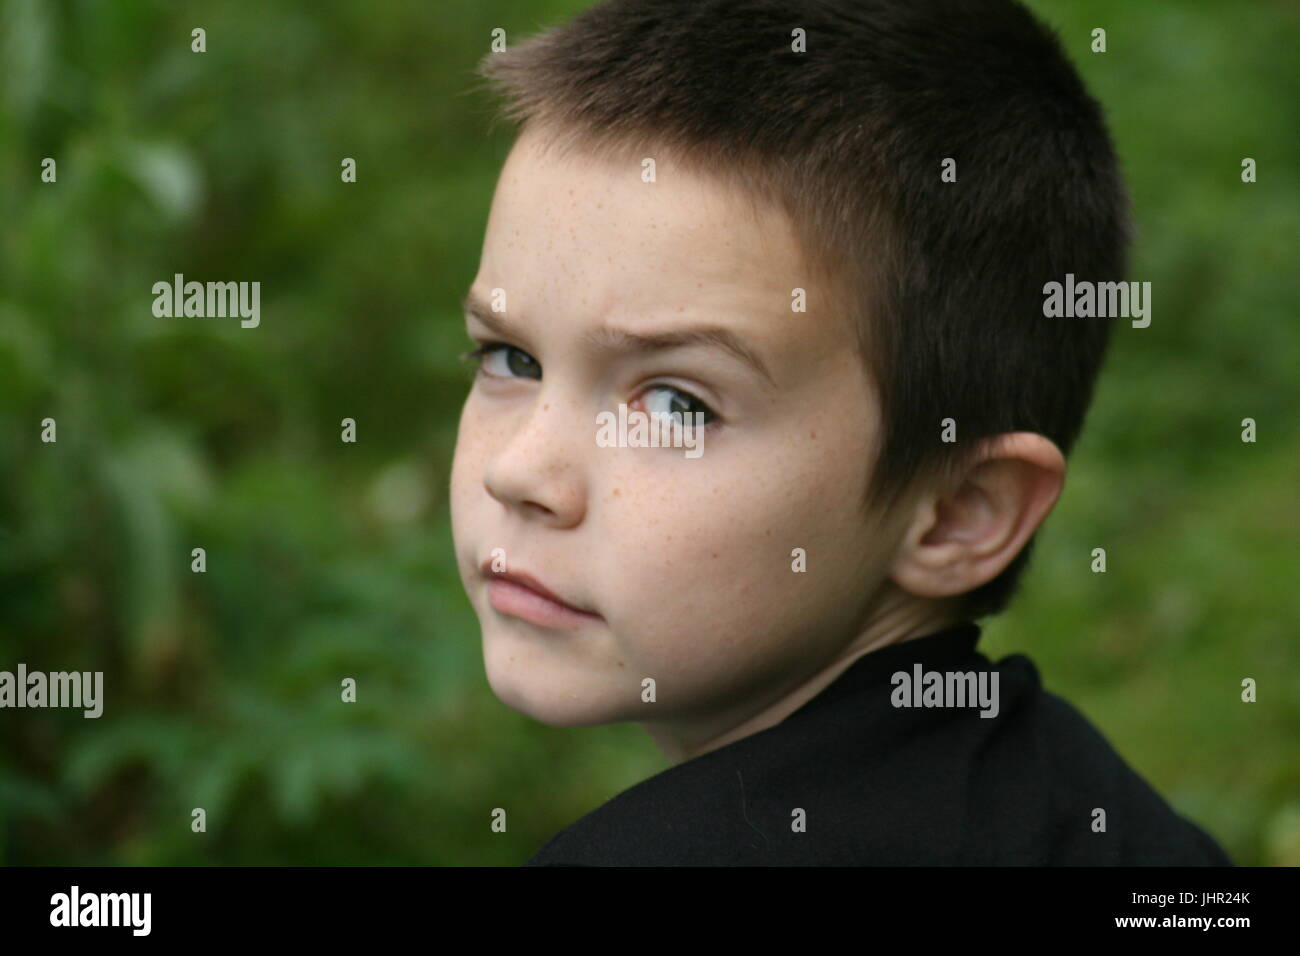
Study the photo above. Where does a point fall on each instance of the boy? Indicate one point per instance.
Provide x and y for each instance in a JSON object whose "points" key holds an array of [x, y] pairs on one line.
{"points": [[817, 235]]}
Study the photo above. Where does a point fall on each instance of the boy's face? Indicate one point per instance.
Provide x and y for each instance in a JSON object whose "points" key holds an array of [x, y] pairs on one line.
{"points": [[686, 562]]}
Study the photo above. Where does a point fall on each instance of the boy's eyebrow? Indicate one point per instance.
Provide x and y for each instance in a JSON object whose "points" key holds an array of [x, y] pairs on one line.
{"points": [[615, 339]]}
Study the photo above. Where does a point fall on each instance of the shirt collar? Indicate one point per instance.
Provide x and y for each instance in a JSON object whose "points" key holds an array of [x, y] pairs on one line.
{"points": [[956, 643]]}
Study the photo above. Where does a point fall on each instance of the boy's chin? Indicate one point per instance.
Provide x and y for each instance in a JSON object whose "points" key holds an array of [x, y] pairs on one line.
{"points": [[553, 712], [552, 700]]}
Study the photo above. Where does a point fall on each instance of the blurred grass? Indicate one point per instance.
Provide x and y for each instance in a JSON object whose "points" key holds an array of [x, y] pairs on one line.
{"points": [[327, 559]]}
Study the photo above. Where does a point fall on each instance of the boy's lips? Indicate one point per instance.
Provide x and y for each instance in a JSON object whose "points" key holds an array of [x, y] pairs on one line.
{"points": [[521, 595]]}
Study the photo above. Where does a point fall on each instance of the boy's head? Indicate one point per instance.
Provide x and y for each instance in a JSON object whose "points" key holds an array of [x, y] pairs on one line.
{"points": [[669, 286]]}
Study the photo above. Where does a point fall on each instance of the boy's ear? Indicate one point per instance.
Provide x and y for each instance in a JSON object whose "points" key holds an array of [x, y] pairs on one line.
{"points": [[960, 539]]}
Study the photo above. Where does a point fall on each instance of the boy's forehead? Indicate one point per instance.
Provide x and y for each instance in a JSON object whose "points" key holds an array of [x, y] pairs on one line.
{"points": [[580, 236]]}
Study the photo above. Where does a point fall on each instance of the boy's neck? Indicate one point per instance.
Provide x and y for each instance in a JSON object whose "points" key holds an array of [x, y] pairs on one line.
{"points": [[682, 741]]}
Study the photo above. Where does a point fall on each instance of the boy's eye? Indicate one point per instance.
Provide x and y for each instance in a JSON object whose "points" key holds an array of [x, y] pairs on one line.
{"points": [[666, 400], [498, 360]]}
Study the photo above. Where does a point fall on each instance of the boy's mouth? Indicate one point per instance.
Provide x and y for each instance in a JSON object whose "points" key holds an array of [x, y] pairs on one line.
{"points": [[521, 595]]}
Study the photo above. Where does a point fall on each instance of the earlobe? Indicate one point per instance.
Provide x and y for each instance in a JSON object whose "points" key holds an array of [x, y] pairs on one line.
{"points": [[965, 537]]}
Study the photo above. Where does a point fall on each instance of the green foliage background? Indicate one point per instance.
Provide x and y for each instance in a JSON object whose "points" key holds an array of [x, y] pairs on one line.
{"points": [[326, 559]]}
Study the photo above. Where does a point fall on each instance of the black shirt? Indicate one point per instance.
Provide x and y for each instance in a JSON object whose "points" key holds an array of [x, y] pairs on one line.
{"points": [[872, 783]]}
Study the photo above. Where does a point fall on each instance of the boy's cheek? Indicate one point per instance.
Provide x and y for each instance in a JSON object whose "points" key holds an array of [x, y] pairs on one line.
{"points": [[679, 606]]}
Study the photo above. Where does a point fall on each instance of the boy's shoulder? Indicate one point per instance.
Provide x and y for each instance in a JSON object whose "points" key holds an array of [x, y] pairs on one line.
{"points": [[893, 765]]}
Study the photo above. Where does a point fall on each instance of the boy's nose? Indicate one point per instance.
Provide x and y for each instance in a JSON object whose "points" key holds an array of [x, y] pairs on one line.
{"points": [[539, 469]]}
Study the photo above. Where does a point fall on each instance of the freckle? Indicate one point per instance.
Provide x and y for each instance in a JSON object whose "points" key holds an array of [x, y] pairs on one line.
{"points": [[813, 435], [545, 406], [620, 663], [615, 492]]}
